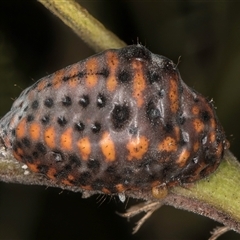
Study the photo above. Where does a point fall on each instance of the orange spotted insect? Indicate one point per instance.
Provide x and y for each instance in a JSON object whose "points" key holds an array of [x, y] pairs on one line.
{"points": [[120, 120]]}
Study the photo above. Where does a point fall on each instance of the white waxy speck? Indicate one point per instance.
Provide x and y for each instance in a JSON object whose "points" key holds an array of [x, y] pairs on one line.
{"points": [[122, 197], [26, 172], [24, 166]]}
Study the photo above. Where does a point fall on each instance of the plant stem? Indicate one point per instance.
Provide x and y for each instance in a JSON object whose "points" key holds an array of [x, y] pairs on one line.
{"points": [[83, 24]]}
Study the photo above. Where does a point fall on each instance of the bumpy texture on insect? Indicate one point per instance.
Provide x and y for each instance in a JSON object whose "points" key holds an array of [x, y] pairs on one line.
{"points": [[119, 120]]}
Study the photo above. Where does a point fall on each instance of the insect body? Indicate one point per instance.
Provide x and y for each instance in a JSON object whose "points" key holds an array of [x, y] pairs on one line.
{"points": [[119, 120]]}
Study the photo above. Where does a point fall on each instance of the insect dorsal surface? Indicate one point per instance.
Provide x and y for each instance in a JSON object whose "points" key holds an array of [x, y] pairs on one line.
{"points": [[119, 120]]}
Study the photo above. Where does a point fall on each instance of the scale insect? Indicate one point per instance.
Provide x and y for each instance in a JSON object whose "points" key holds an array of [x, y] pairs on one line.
{"points": [[121, 120]]}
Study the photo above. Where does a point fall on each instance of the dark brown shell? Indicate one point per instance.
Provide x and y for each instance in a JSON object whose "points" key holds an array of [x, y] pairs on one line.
{"points": [[119, 120]]}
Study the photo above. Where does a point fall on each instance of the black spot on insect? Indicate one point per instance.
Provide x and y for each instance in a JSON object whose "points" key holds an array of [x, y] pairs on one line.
{"points": [[101, 100], [18, 144], [120, 116], [13, 132], [93, 164], [84, 101], [41, 148], [85, 178], [26, 142], [48, 102], [74, 160], [35, 155], [30, 118], [81, 74], [67, 168], [28, 159], [111, 170], [49, 84], [25, 109], [98, 184], [104, 72], [45, 119], [152, 112], [196, 100], [43, 168], [62, 121], [96, 127], [181, 119], [205, 116], [35, 105], [168, 128], [124, 76], [79, 126], [153, 77], [168, 66], [66, 78], [20, 117], [67, 101]]}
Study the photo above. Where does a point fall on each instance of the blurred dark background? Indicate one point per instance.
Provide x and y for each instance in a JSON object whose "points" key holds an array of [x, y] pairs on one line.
{"points": [[34, 43]]}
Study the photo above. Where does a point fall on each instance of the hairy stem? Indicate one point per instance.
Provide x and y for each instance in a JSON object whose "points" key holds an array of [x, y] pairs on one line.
{"points": [[89, 29], [219, 194]]}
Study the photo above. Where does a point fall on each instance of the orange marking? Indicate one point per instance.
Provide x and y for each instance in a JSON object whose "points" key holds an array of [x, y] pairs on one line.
{"points": [[137, 147], [31, 95], [34, 131], [213, 123], [41, 85], [107, 146], [173, 95], [91, 77], [177, 133], [219, 149], [120, 187], [168, 144], [66, 139], [212, 137], [195, 110], [106, 191], [51, 173], [88, 187], [139, 83], [155, 184], [112, 62], [18, 153], [13, 120], [66, 182], [21, 129], [198, 125], [33, 166], [49, 137], [73, 82], [184, 155], [84, 146], [196, 146], [57, 78]]}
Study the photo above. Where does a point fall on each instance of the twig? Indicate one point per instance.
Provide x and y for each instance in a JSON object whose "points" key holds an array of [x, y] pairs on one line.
{"points": [[83, 24]]}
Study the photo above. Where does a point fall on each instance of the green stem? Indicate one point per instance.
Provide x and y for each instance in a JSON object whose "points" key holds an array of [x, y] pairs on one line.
{"points": [[83, 24], [221, 191]]}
